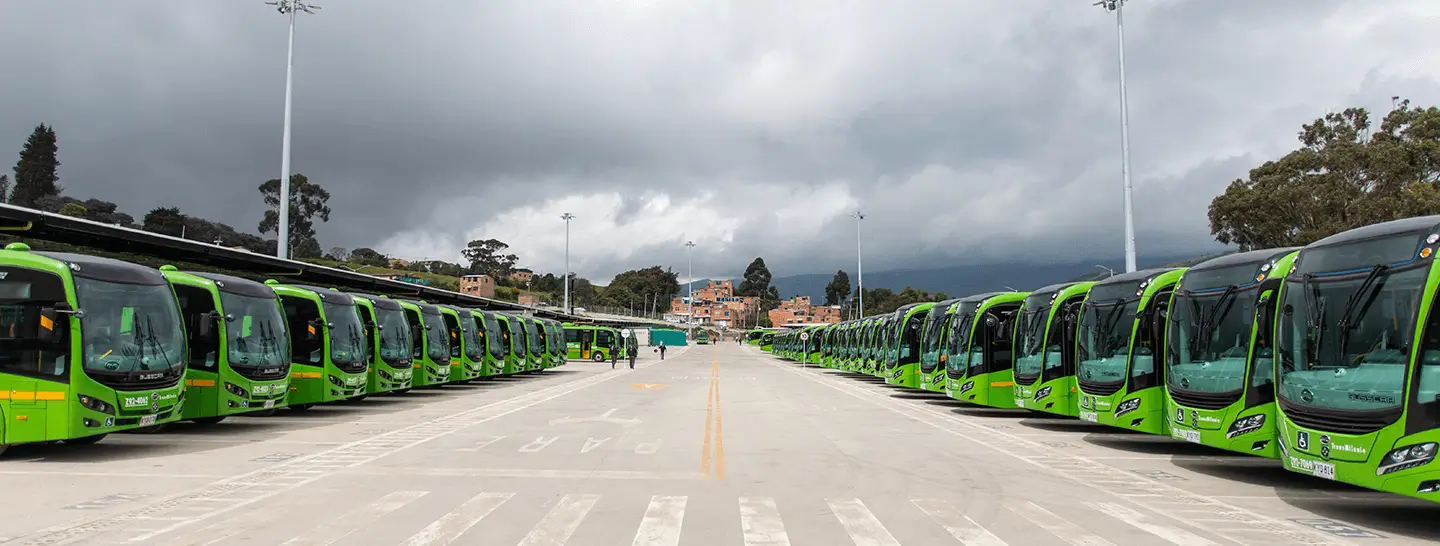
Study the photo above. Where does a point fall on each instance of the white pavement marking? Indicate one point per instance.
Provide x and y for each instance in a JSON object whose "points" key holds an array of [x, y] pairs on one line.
{"points": [[339, 528], [760, 522], [448, 528], [862, 526], [648, 448], [592, 443], [482, 443], [1174, 535], [661, 525], [537, 445], [1056, 525], [561, 522], [959, 525], [533, 473], [113, 474]]}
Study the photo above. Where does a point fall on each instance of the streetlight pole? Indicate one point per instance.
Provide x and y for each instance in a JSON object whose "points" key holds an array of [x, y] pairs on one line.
{"points": [[690, 285], [1118, 6], [290, 8], [859, 263], [567, 217], [1112, 271]]}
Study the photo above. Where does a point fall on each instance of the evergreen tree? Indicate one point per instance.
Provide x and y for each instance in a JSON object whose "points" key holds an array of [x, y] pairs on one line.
{"points": [[37, 172], [4, 188], [838, 289], [756, 280]]}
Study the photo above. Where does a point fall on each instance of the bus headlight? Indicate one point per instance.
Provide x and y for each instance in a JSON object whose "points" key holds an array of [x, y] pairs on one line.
{"points": [[1407, 457], [1246, 425], [95, 404], [236, 390]]}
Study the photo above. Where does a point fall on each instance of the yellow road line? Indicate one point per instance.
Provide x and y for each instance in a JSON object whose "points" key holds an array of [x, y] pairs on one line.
{"points": [[709, 420], [713, 423]]}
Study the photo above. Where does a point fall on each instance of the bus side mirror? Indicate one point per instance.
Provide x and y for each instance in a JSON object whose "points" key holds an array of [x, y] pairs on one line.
{"points": [[205, 328], [48, 322], [312, 331]]}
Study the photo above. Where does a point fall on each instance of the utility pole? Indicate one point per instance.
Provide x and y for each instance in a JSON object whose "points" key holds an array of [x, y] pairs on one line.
{"points": [[690, 285], [1118, 6], [567, 217], [859, 263], [1112, 271], [289, 8]]}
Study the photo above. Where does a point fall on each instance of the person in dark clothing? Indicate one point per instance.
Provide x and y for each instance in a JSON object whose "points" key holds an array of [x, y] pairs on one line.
{"points": [[614, 357], [662, 350], [632, 359]]}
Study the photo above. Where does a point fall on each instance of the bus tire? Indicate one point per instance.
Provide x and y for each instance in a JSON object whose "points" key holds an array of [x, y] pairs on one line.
{"points": [[209, 420], [263, 413], [598, 356], [84, 441], [152, 429], [360, 397], [401, 391], [300, 407]]}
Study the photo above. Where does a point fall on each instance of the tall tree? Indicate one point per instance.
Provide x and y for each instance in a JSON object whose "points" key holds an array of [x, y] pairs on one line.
{"points": [[637, 285], [838, 289], [1344, 175], [37, 173], [73, 210], [4, 188], [369, 256], [756, 279], [488, 257], [165, 221], [308, 201]]}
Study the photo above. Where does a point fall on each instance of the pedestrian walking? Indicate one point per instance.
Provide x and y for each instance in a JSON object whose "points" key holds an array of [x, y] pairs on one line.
{"points": [[632, 359], [662, 350], [614, 357]]}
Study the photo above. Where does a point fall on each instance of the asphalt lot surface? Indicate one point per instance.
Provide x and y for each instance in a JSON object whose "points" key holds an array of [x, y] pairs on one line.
{"points": [[718, 444]]}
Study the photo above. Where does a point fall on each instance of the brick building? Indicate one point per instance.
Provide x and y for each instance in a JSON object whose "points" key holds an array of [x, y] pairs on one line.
{"points": [[715, 304], [798, 310], [478, 285], [522, 276]]}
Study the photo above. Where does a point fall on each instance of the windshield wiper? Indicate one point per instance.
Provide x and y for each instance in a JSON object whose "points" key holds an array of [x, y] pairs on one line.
{"points": [[1369, 288], [1211, 317]]}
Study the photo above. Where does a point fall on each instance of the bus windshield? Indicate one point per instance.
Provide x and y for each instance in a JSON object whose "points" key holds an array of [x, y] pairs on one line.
{"points": [[517, 338], [959, 349], [1345, 338], [1212, 321], [394, 336], [474, 346], [254, 331], [437, 337], [1031, 349], [930, 347], [1107, 323], [347, 336], [532, 338], [129, 329], [492, 337]]}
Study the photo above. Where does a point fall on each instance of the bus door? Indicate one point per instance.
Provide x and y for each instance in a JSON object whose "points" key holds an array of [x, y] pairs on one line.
{"points": [[587, 337]]}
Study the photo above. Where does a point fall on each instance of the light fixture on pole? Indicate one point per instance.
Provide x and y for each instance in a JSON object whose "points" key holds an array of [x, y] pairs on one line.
{"points": [[690, 285], [290, 8], [567, 217], [1118, 6], [859, 263], [1112, 271]]}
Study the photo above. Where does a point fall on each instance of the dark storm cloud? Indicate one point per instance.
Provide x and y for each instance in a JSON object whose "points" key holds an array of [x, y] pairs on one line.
{"points": [[966, 131]]}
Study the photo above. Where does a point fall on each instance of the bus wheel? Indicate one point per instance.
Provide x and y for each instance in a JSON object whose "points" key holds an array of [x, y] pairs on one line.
{"points": [[360, 397], [152, 429], [85, 441], [300, 407], [401, 391], [597, 357], [209, 420], [263, 413]]}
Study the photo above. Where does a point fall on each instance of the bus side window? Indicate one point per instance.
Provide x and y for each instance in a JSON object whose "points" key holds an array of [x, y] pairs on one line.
{"points": [[194, 302], [1424, 408], [1149, 342], [367, 320], [299, 312]]}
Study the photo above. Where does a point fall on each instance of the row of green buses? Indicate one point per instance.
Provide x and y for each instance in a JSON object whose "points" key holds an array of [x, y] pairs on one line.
{"points": [[91, 346], [1325, 357]]}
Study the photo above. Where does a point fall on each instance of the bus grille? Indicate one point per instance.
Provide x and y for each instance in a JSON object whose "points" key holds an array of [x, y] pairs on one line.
{"points": [[1099, 388], [1343, 422], [1204, 400]]}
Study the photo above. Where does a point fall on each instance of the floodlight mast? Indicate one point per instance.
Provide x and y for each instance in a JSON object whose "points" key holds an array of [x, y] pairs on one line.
{"points": [[859, 264], [1118, 6], [567, 217], [282, 228]]}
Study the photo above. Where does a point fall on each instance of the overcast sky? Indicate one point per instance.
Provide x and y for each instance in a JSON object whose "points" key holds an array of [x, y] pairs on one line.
{"points": [[965, 130]]}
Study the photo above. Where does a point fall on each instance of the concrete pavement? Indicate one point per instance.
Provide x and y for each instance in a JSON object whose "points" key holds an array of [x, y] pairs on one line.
{"points": [[719, 444]]}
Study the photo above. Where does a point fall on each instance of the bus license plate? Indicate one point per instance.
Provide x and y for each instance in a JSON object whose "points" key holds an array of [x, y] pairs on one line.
{"points": [[148, 420], [1323, 470], [1192, 436], [269, 404], [1088, 416]]}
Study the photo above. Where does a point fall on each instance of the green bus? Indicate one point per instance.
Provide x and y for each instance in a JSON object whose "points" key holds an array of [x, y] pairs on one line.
{"points": [[1358, 340], [1119, 345], [429, 344], [487, 326], [327, 345], [1045, 348], [511, 340], [90, 346], [902, 362], [388, 339], [555, 349], [584, 342], [931, 373], [239, 359], [467, 351], [534, 344], [1220, 377], [767, 342], [702, 338], [981, 365]]}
